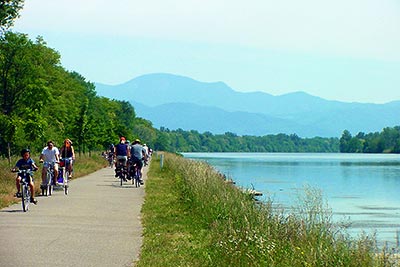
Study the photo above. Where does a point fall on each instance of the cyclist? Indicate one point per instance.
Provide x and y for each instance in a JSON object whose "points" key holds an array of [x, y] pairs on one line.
{"points": [[146, 157], [138, 155], [50, 155], [121, 153], [25, 163], [67, 152], [111, 151]]}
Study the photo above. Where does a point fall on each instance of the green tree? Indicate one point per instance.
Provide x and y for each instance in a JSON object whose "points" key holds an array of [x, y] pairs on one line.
{"points": [[344, 141], [9, 11], [24, 87]]}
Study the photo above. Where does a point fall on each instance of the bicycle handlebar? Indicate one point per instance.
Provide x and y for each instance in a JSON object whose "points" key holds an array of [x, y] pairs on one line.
{"points": [[24, 171]]}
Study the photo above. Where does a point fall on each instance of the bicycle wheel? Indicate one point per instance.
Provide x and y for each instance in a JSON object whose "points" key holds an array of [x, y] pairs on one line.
{"points": [[25, 198], [137, 178], [65, 181], [49, 188], [43, 188]]}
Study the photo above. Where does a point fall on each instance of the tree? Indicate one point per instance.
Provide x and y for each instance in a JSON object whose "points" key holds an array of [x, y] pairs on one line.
{"points": [[24, 87], [344, 141], [9, 11]]}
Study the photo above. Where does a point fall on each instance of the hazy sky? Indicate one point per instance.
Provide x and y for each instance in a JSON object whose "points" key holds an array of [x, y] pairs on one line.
{"points": [[347, 50]]}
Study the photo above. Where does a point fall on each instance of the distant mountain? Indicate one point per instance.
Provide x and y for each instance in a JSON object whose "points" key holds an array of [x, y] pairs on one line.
{"points": [[175, 102], [216, 120]]}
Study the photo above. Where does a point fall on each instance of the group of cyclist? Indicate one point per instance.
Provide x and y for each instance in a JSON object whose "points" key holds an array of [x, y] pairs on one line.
{"points": [[50, 156], [124, 153]]}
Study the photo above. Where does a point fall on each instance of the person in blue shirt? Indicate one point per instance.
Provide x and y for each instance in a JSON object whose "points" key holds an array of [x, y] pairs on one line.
{"points": [[121, 153], [25, 163]]}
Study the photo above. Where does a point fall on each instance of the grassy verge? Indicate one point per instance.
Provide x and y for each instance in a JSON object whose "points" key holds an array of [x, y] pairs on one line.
{"points": [[84, 165], [192, 217]]}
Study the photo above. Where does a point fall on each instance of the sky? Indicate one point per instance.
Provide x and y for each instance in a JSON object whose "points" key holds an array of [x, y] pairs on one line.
{"points": [[345, 50]]}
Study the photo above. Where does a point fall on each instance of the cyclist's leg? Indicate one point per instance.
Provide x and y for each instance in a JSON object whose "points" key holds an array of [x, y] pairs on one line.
{"points": [[44, 172], [140, 165], [32, 188], [68, 164], [17, 183], [125, 161], [55, 167]]}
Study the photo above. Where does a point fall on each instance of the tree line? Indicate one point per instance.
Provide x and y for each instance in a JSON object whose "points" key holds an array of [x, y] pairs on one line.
{"points": [[193, 141], [386, 141]]}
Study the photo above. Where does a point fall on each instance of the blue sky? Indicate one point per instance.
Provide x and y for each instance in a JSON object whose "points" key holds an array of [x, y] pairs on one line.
{"points": [[346, 50]]}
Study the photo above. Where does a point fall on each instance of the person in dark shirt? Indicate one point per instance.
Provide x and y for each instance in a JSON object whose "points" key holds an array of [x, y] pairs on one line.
{"points": [[121, 153], [67, 153], [25, 163]]}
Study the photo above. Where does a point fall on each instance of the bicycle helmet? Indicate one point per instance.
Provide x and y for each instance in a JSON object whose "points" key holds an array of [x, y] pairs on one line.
{"points": [[23, 151]]}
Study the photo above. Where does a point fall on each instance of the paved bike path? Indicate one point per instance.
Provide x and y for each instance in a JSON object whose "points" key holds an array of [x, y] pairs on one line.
{"points": [[97, 224]]}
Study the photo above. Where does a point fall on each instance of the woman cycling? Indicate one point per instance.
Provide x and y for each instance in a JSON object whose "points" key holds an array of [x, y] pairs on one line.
{"points": [[67, 153]]}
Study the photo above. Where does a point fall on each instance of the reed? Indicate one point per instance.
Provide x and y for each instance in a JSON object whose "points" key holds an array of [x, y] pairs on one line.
{"points": [[230, 229]]}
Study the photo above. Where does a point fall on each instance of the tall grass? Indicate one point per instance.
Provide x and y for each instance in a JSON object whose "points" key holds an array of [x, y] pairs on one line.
{"points": [[83, 165], [230, 229]]}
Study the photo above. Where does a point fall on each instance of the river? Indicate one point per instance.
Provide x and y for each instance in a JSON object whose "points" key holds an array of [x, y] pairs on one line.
{"points": [[361, 189]]}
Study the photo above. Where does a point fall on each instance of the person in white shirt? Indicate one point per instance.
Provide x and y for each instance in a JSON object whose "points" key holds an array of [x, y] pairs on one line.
{"points": [[50, 156]]}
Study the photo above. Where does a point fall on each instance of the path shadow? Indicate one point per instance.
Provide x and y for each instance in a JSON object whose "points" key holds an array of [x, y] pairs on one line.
{"points": [[12, 211]]}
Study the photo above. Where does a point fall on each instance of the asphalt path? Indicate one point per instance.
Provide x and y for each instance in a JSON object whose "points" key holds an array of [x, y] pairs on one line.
{"points": [[97, 224]]}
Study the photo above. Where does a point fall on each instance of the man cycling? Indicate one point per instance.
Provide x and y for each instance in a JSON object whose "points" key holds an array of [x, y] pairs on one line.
{"points": [[121, 153], [138, 155], [50, 156]]}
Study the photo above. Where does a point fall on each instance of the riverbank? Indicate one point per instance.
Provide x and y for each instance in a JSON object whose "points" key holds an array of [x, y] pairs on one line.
{"points": [[192, 217]]}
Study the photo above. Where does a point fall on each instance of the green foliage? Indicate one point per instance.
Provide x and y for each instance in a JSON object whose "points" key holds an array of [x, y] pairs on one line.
{"points": [[193, 141], [387, 141], [40, 101], [9, 11]]}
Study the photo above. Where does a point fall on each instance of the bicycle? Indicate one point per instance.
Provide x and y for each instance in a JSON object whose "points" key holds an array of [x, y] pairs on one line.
{"points": [[121, 170], [25, 192], [110, 159], [48, 187], [134, 173], [137, 176], [63, 174]]}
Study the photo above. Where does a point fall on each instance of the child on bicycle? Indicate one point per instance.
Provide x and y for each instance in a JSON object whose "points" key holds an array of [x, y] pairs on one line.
{"points": [[25, 163]]}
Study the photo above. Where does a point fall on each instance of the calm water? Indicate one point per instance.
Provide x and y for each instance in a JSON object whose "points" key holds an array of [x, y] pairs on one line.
{"points": [[363, 189]]}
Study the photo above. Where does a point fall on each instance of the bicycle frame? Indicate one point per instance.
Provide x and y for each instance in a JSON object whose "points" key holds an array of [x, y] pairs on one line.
{"points": [[63, 174], [121, 170], [25, 192], [48, 187], [136, 176]]}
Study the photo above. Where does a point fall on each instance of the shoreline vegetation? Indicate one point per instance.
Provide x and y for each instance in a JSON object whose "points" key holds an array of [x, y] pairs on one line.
{"points": [[83, 165], [191, 216]]}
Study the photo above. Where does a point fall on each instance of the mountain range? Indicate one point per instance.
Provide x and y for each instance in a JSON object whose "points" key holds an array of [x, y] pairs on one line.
{"points": [[173, 102]]}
